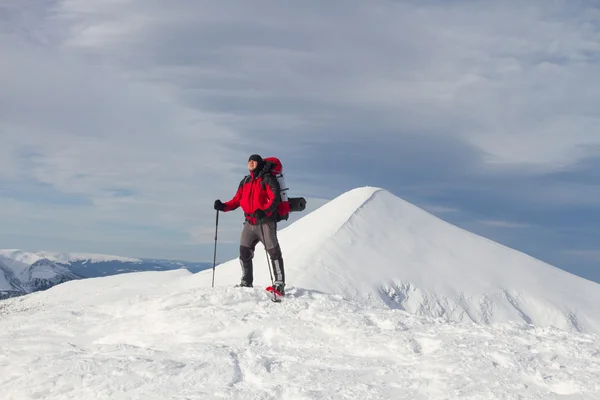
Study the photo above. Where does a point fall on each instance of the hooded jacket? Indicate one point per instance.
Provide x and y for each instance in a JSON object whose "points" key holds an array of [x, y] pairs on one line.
{"points": [[257, 191]]}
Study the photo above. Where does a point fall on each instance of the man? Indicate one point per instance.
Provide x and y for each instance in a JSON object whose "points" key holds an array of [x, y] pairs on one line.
{"points": [[258, 194]]}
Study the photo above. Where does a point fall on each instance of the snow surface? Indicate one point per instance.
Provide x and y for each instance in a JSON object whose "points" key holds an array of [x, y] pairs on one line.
{"points": [[63, 258], [340, 333], [370, 245], [157, 335]]}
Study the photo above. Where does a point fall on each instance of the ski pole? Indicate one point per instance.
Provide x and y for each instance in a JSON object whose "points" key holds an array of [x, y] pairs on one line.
{"points": [[215, 251]]}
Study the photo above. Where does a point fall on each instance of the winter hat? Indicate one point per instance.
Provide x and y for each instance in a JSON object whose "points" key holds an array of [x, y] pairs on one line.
{"points": [[255, 157]]}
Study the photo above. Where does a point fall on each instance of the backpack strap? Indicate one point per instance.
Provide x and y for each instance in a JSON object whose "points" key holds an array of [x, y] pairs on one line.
{"points": [[263, 178]]}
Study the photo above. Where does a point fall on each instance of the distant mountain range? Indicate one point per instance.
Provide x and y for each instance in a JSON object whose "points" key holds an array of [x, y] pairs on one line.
{"points": [[23, 272]]}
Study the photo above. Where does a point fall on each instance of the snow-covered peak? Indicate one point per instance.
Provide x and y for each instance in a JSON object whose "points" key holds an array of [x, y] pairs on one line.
{"points": [[63, 258], [372, 246], [46, 269]]}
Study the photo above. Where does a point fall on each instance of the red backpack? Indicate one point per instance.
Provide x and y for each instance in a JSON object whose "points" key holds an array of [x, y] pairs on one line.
{"points": [[286, 205]]}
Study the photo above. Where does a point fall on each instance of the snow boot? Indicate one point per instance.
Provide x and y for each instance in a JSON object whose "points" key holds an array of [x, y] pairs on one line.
{"points": [[280, 287], [247, 275]]}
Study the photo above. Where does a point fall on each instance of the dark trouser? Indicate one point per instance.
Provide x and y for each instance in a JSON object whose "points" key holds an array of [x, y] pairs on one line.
{"points": [[251, 235]]}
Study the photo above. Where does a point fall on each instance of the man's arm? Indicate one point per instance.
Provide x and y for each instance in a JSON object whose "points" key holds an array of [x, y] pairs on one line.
{"points": [[234, 203]]}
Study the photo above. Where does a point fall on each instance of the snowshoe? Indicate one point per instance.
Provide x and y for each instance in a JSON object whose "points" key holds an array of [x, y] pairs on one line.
{"points": [[278, 292]]}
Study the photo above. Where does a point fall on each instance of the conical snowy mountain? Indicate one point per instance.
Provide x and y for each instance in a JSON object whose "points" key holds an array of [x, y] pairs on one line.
{"points": [[370, 245]]}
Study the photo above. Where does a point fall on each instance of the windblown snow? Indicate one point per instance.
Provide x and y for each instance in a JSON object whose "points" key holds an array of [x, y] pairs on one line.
{"points": [[384, 301]]}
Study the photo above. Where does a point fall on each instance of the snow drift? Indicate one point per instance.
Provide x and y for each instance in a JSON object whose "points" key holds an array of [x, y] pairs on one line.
{"points": [[372, 246]]}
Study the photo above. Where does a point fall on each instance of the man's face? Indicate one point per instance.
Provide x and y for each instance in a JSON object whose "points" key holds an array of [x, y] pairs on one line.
{"points": [[252, 165]]}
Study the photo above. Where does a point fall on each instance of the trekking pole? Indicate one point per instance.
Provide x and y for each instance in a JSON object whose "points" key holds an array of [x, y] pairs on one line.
{"points": [[262, 231], [215, 251]]}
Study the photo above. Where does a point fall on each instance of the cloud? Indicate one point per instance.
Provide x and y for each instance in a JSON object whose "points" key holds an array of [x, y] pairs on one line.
{"points": [[146, 111], [437, 209], [504, 224], [511, 90], [593, 255]]}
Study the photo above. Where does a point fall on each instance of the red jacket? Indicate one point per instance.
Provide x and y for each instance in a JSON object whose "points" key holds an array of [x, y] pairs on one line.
{"points": [[254, 193]]}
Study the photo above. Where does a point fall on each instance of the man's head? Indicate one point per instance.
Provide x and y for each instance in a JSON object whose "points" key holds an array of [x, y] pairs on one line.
{"points": [[254, 162]]}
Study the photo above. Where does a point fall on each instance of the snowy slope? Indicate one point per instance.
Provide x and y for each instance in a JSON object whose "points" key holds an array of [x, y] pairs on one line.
{"points": [[371, 245], [156, 335]]}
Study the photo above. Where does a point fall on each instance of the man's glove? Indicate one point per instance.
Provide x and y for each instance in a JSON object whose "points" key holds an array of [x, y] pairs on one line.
{"points": [[260, 215], [219, 206]]}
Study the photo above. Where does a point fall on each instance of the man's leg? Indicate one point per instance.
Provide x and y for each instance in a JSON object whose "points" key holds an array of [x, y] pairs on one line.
{"points": [[248, 241], [271, 243]]}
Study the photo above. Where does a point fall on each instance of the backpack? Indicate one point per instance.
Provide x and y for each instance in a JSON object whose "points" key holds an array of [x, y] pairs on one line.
{"points": [[286, 204]]}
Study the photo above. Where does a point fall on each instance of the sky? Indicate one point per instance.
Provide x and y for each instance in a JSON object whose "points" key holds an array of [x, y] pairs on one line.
{"points": [[122, 121]]}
